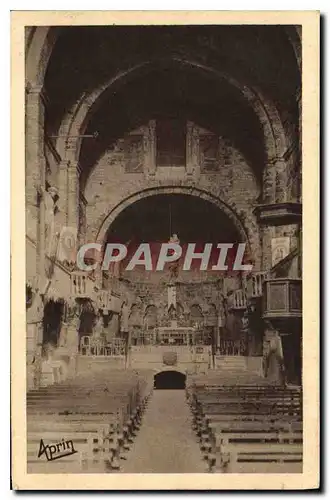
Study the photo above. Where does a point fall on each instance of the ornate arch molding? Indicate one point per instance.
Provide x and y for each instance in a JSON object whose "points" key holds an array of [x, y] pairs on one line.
{"points": [[244, 232], [76, 120]]}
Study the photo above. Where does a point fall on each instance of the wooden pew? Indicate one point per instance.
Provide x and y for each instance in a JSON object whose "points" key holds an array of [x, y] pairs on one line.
{"points": [[244, 450], [248, 429], [98, 414], [85, 444]]}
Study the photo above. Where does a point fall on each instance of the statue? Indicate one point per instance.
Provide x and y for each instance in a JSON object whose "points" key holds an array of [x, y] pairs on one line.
{"points": [[99, 328], [245, 322], [174, 266], [171, 297], [49, 197], [35, 312], [124, 317], [273, 355], [172, 312], [73, 321]]}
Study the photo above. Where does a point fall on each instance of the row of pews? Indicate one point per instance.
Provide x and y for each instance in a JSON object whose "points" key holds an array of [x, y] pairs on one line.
{"points": [[86, 424], [248, 428]]}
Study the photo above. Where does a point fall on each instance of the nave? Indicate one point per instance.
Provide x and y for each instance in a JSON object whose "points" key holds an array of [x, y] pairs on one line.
{"points": [[114, 421]]}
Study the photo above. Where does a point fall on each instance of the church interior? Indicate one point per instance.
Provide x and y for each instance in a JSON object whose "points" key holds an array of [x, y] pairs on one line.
{"points": [[157, 134]]}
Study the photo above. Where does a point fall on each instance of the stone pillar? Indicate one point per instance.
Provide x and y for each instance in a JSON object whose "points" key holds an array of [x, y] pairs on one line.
{"points": [[72, 339], [150, 147], [36, 169], [73, 173], [267, 233], [63, 192], [268, 183], [35, 176], [34, 337], [35, 159], [192, 150], [281, 181]]}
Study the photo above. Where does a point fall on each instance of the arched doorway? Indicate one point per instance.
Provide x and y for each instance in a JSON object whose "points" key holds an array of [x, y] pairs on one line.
{"points": [[170, 379], [52, 322]]}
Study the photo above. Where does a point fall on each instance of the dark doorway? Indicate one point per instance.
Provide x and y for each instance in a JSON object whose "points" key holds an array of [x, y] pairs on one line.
{"points": [[52, 322], [170, 380]]}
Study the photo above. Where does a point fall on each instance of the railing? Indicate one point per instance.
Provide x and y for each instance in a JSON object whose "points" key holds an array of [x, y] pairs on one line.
{"points": [[232, 348], [255, 284], [79, 286], [99, 347], [237, 300], [185, 336]]}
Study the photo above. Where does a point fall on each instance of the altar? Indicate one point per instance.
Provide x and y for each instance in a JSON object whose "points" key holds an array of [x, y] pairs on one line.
{"points": [[171, 347], [175, 335]]}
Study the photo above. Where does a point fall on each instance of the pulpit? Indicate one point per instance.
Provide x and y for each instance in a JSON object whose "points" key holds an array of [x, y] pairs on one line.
{"points": [[283, 298]]}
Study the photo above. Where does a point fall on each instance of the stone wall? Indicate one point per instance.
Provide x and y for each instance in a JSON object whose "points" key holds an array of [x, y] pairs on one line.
{"points": [[230, 180]]}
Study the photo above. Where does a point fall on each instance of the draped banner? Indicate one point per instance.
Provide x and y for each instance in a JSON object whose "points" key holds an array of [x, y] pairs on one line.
{"points": [[280, 249], [67, 245]]}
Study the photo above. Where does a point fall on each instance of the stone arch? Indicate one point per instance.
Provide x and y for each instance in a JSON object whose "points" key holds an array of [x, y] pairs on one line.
{"points": [[39, 46], [196, 313], [212, 309], [151, 315], [244, 232], [75, 121], [135, 316], [40, 42]]}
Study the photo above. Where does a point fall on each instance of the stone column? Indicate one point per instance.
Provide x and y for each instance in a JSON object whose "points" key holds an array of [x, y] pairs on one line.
{"points": [[268, 182], [192, 149], [63, 192], [73, 173], [150, 147], [34, 337], [35, 159], [36, 169], [72, 339], [281, 181], [35, 176]]}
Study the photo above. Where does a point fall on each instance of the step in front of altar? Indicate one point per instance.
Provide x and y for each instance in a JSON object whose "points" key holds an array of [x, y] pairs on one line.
{"points": [[181, 358]]}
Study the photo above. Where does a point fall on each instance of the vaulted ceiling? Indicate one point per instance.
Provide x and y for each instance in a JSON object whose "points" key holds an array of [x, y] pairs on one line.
{"points": [[176, 80]]}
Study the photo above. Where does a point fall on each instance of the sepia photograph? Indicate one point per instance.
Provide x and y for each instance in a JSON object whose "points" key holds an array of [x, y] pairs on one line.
{"points": [[162, 214]]}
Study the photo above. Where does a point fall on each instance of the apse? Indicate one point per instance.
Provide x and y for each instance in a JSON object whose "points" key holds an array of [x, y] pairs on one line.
{"points": [[155, 219]]}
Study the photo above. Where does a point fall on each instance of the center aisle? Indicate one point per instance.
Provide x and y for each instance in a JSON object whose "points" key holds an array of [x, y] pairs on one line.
{"points": [[166, 442]]}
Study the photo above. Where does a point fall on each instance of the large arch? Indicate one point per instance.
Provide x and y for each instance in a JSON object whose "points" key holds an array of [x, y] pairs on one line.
{"points": [[245, 231], [40, 42], [76, 120]]}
